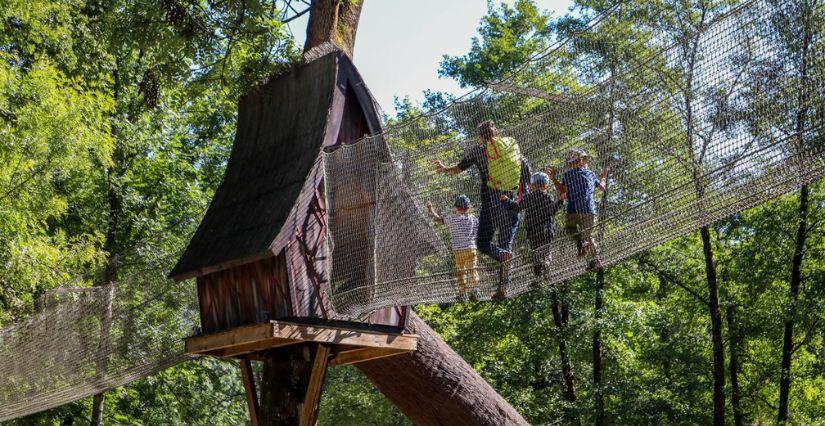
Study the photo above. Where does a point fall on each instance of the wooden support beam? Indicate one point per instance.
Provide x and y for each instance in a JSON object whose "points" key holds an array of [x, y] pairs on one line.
{"points": [[249, 387], [223, 339], [251, 347], [342, 336], [259, 337], [355, 356], [309, 411]]}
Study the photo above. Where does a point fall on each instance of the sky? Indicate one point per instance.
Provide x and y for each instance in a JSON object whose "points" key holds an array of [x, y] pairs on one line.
{"points": [[400, 43]]}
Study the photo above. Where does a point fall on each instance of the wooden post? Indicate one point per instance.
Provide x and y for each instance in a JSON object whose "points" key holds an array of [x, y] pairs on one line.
{"points": [[251, 394], [309, 411]]}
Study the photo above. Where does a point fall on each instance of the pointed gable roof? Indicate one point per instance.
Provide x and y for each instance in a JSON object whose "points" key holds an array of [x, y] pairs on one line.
{"points": [[282, 127]]}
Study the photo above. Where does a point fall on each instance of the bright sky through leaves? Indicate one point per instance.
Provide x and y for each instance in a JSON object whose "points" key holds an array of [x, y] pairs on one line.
{"points": [[400, 43]]}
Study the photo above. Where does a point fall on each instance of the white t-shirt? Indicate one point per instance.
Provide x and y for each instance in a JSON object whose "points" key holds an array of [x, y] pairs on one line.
{"points": [[463, 229]]}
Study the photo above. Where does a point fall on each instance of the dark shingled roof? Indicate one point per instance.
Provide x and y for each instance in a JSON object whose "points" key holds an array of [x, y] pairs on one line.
{"points": [[282, 127]]}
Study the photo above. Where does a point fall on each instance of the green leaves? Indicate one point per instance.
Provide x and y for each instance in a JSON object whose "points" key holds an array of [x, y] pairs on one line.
{"points": [[508, 36]]}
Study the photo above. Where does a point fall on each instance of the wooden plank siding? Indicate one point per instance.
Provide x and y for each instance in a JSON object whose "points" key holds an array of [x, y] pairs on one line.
{"points": [[246, 294]]}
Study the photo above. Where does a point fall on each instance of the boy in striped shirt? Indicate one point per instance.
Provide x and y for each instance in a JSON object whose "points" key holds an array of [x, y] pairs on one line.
{"points": [[463, 231]]}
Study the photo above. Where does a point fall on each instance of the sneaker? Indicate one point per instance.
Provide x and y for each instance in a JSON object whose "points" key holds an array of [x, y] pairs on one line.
{"points": [[593, 265], [585, 248], [499, 295]]}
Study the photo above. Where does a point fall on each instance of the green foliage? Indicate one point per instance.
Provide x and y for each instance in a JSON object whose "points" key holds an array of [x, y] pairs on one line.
{"points": [[349, 398], [116, 120], [509, 36]]}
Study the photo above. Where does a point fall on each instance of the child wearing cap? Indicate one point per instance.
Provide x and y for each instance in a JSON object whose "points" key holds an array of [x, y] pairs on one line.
{"points": [[539, 207], [579, 184], [463, 230]]}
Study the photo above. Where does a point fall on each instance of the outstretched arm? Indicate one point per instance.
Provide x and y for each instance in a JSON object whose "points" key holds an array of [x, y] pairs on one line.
{"points": [[560, 187], [440, 168], [436, 217], [603, 179]]}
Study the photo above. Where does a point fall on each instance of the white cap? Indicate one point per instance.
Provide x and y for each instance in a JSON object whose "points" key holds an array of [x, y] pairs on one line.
{"points": [[574, 155]]}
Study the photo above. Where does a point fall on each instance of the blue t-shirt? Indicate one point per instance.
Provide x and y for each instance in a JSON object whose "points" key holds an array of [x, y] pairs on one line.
{"points": [[581, 184]]}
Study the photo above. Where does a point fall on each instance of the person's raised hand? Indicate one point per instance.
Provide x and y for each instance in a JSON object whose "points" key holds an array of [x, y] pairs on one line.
{"points": [[503, 198], [604, 174], [429, 206], [439, 166], [551, 171]]}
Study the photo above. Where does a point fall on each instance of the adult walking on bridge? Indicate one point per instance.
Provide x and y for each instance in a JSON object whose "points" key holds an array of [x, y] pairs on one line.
{"points": [[502, 171]]}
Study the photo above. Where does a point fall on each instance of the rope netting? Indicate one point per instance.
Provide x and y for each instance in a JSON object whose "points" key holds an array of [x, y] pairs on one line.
{"points": [[83, 341], [696, 117], [693, 121]]}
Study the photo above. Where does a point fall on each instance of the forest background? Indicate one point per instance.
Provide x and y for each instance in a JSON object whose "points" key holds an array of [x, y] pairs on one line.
{"points": [[116, 121]]}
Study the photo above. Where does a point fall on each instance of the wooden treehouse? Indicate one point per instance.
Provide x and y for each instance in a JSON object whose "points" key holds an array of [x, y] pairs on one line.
{"points": [[260, 255]]}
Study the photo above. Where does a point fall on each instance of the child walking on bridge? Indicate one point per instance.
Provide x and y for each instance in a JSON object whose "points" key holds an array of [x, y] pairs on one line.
{"points": [[579, 184], [539, 207], [463, 230]]}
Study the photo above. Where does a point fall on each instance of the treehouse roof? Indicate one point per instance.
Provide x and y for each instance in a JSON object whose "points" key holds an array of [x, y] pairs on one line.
{"points": [[282, 127]]}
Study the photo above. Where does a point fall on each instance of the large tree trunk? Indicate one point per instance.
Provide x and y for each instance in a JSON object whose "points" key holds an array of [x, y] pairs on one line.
{"points": [[286, 372], [111, 246], [716, 330], [560, 315], [796, 283], [733, 349], [598, 404], [284, 385], [801, 234], [333, 21], [434, 385]]}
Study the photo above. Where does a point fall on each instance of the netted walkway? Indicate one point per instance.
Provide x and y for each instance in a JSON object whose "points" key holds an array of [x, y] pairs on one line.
{"points": [[693, 123], [696, 117]]}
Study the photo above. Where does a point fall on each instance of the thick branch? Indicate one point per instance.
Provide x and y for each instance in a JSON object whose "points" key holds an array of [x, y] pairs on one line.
{"points": [[434, 385]]}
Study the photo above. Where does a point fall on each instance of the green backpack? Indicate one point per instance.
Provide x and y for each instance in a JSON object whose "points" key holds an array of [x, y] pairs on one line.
{"points": [[503, 164]]}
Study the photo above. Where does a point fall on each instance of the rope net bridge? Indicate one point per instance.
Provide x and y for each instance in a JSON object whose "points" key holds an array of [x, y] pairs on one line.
{"points": [[692, 124], [695, 117]]}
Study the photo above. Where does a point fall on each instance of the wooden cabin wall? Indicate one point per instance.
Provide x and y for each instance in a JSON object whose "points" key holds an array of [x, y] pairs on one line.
{"points": [[354, 124], [306, 261], [246, 294]]}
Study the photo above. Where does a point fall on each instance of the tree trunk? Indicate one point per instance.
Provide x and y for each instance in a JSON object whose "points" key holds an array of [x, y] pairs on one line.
{"points": [[334, 21], [716, 330], [114, 202], [284, 383], [434, 385], [733, 349], [597, 349], [801, 232], [560, 319], [286, 372], [796, 283]]}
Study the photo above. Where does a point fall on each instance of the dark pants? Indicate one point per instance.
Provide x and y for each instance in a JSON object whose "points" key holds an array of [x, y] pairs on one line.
{"points": [[539, 238], [493, 218]]}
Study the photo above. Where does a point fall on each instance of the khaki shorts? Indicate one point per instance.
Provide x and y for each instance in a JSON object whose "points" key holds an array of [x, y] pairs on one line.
{"points": [[466, 262]]}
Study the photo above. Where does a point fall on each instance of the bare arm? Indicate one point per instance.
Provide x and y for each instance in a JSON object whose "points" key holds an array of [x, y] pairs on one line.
{"points": [[603, 179], [560, 187], [440, 168], [436, 217]]}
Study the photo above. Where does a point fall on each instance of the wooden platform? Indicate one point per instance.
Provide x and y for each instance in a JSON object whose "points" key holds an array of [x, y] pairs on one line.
{"points": [[347, 345]]}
